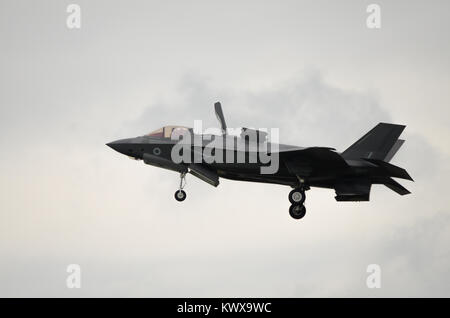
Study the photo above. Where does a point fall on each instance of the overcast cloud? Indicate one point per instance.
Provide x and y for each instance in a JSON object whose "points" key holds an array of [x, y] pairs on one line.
{"points": [[310, 68]]}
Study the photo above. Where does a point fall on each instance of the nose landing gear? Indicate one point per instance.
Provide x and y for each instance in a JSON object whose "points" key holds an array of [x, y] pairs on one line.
{"points": [[180, 194]]}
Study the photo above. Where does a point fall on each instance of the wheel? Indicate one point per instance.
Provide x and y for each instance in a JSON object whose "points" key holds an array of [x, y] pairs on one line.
{"points": [[180, 195], [297, 211], [297, 196]]}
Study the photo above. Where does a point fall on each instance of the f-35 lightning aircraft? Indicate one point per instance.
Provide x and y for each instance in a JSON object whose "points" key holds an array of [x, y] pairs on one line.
{"points": [[350, 173]]}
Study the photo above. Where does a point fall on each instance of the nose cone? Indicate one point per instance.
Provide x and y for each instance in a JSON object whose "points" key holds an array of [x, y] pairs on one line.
{"points": [[120, 145], [114, 145]]}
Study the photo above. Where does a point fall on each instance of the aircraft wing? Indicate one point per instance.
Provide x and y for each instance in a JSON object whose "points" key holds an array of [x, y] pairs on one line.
{"points": [[312, 159]]}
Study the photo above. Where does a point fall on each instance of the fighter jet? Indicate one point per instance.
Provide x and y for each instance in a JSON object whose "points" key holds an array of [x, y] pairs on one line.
{"points": [[244, 157]]}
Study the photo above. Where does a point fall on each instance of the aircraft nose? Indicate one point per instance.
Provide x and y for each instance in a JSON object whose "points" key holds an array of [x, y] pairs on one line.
{"points": [[113, 144], [120, 145]]}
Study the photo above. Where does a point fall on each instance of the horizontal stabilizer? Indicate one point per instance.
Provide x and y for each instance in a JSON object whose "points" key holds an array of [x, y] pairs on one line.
{"points": [[395, 186], [391, 170]]}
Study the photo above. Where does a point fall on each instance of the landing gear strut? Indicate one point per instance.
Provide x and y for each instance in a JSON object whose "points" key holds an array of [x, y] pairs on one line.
{"points": [[297, 199], [180, 195]]}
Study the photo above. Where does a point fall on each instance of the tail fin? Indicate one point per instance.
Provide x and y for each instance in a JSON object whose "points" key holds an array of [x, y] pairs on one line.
{"points": [[379, 143]]}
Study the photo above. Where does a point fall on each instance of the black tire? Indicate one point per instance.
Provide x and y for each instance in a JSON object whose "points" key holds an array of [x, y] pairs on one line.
{"points": [[297, 196], [297, 211], [180, 195]]}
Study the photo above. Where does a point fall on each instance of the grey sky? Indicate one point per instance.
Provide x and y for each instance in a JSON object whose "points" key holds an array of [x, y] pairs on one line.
{"points": [[311, 68]]}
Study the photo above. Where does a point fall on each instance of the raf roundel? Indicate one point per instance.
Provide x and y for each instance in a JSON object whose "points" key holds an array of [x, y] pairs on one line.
{"points": [[156, 151]]}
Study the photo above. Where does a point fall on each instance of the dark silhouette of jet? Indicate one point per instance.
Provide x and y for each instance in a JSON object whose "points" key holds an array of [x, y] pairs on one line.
{"points": [[209, 157]]}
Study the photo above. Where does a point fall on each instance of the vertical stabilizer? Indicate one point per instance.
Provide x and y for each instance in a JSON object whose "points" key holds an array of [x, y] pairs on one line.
{"points": [[379, 143]]}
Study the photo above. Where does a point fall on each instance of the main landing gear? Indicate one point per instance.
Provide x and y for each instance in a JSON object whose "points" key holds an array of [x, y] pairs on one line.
{"points": [[297, 198], [180, 195]]}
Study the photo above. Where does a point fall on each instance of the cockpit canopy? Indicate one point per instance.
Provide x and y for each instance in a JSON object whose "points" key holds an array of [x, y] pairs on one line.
{"points": [[173, 132]]}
